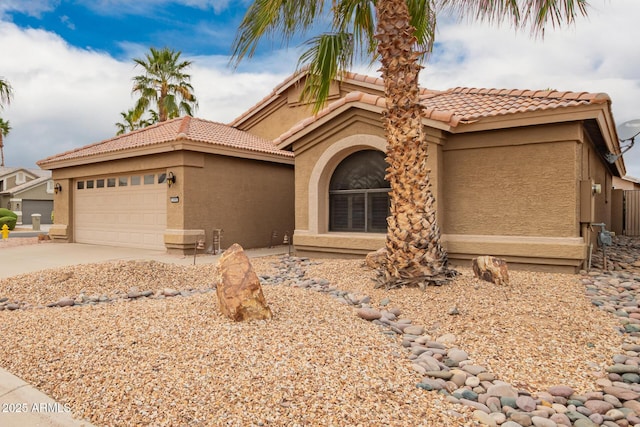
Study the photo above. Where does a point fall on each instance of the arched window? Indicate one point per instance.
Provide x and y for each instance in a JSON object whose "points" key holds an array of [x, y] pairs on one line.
{"points": [[358, 194]]}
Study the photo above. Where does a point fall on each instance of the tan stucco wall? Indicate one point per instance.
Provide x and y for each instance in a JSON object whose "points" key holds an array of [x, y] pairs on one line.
{"points": [[525, 190], [248, 199]]}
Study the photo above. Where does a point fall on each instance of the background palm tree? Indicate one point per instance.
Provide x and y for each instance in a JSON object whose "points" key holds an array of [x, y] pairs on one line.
{"points": [[4, 131], [6, 93], [399, 33], [164, 85], [131, 120]]}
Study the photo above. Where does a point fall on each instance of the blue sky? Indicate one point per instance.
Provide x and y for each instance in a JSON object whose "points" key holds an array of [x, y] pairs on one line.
{"points": [[70, 63]]}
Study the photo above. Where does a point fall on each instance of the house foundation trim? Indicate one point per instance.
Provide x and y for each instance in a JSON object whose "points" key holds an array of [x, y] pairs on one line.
{"points": [[337, 244], [59, 233], [181, 241], [559, 254]]}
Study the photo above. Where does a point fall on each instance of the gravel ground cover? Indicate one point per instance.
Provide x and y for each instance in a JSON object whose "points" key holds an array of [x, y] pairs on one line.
{"points": [[177, 361]]}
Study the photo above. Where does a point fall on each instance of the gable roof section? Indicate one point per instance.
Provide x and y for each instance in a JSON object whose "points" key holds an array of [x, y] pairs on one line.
{"points": [[356, 79], [35, 173], [27, 185], [188, 131]]}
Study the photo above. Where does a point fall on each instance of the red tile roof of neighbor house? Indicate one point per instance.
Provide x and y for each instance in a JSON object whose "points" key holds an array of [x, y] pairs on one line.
{"points": [[183, 128], [466, 105]]}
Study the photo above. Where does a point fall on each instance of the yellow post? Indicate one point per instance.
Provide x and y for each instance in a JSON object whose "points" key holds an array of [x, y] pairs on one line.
{"points": [[5, 232]]}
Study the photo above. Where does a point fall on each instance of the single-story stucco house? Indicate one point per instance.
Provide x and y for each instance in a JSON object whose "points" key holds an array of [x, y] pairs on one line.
{"points": [[27, 192], [517, 174]]}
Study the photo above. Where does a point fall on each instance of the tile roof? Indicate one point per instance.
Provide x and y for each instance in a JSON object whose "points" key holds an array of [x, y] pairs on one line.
{"points": [[183, 128], [467, 105]]}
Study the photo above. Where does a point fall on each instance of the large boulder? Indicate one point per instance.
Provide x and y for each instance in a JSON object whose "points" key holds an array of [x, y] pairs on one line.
{"points": [[491, 269], [238, 287]]}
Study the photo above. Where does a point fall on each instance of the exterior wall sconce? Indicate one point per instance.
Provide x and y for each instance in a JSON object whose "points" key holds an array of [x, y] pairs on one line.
{"points": [[57, 188], [171, 179]]}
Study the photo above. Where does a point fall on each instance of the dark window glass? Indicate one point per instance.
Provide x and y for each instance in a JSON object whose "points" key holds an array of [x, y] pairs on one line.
{"points": [[123, 181], [99, 183], [162, 177], [90, 183], [80, 185], [358, 195], [111, 182]]}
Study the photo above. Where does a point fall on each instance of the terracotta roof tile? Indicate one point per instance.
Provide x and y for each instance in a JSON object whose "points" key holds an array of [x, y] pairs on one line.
{"points": [[472, 104], [467, 105], [184, 128]]}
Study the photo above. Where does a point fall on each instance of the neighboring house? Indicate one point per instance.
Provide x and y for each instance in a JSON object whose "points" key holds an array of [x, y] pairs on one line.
{"points": [[625, 206], [167, 184], [27, 192], [626, 183], [516, 174]]}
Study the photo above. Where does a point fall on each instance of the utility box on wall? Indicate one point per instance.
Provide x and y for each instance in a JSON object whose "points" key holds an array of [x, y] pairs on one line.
{"points": [[587, 201]]}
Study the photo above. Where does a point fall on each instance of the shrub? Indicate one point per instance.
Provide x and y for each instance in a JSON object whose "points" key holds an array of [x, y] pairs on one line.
{"points": [[6, 212], [9, 220]]}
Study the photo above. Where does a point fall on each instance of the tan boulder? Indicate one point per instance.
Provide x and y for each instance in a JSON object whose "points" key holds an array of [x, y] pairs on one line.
{"points": [[238, 287], [376, 259], [491, 269]]}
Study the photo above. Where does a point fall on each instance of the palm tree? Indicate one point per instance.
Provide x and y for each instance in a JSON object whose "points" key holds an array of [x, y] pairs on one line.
{"points": [[131, 120], [6, 93], [164, 85], [4, 131], [400, 34]]}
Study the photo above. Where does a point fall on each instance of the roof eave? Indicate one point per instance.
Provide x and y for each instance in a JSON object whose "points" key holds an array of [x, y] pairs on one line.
{"points": [[167, 147]]}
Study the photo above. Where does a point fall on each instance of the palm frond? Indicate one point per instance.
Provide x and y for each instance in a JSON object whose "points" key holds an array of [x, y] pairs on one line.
{"points": [[270, 19], [327, 55], [533, 14], [6, 93]]}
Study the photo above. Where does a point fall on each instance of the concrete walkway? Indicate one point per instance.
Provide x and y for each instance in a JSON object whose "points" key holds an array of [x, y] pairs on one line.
{"points": [[22, 404]]}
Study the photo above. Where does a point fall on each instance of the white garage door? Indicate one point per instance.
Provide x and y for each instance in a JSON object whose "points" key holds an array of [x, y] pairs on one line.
{"points": [[123, 210]]}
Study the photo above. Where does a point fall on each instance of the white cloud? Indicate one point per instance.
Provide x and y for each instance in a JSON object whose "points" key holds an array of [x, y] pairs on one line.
{"points": [[28, 7]]}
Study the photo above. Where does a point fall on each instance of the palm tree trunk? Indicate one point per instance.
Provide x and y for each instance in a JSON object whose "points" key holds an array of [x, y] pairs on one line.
{"points": [[415, 255], [1, 151]]}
